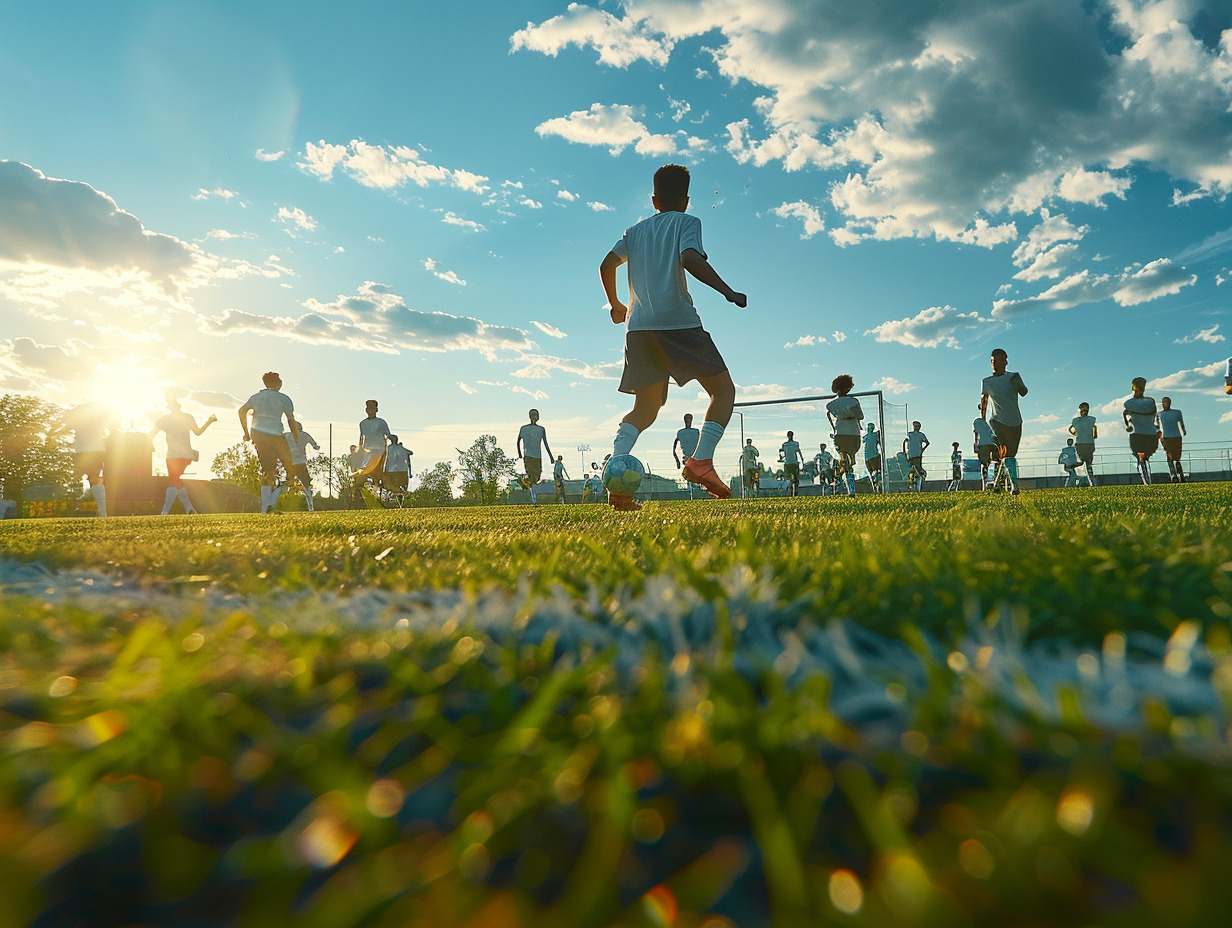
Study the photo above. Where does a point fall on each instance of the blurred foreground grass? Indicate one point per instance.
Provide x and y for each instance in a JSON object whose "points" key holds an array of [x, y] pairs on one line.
{"points": [[183, 759]]}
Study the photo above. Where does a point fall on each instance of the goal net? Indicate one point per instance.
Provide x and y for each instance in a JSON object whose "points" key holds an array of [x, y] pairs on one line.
{"points": [[767, 422]]}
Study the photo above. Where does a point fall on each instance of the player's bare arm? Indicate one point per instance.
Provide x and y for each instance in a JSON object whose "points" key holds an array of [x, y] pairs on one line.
{"points": [[547, 447], [607, 275], [293, 427], [244, 411], [693, 262], [198, 429]]}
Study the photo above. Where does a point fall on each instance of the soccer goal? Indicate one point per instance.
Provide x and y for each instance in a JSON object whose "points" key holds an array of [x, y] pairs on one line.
{"points": [[767, 422]]}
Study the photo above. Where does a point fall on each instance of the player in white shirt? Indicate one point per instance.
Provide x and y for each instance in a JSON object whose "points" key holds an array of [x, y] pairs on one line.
{"points": [[844, 413], [791, 456], [1139, 418], [92, 423], [179, 426], [986, 449], [956, 469], [686, 440], [558, 479], [396, 478], [1171, 427], [299, 461], [914, 446], [824, 462], [999, 395], [532, 441], [1068, 459], [268, 408], [373, 435], [1084, 430], [748, 464], [872, 456]]}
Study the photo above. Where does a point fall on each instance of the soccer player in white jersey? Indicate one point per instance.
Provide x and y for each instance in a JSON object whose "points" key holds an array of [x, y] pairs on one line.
{"points": [[268, 408], [956, 469], [791, 456], [299, 461], [532, 440], [686, 440], [824, 462], [92, 423], [397, 466], [1085, 432], [986, 450], [1139, 418], [558, 478], [999, 395], [748, 464], [914, 446], [872, 456], [844, 413], [178, 426], [1171, 427], [1068, 459]]}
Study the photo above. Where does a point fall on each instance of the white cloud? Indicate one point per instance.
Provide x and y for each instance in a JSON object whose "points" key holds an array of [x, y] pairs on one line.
{"points": [[1205, 379], [806, 341], [385, 167], [566, 195], [218, 192], [1047, 247], [808, 214], [1132, 286], [929, 328], [1209, 335], [893, 385], [295, 218], [223, 235], [599, 207], [467, 388], [1225, 418], [619, 42], [263, 155], [530, 203], [540, 366], [839, 336], [453, 219], [447, 276], [548, 329], [612, 126]]}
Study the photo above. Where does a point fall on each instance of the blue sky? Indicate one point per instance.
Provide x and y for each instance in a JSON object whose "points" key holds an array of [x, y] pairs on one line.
{"points": [[409, 201]]}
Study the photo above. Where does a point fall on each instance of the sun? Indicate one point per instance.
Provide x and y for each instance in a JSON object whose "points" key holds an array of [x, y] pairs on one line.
{"points": [[131, 390]]}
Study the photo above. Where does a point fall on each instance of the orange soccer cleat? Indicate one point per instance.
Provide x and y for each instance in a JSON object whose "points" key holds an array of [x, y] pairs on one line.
{"points": [[703, 472], [623, 502]]}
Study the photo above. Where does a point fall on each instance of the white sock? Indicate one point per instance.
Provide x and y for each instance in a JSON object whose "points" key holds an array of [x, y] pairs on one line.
{"points": [[626, 438], [709, 439], [308, 497], [100, 499], [265, 495], [184, 501], [168, 500], [533, 497]]}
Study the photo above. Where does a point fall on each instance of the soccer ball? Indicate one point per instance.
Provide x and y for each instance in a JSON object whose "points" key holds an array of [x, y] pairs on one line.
{"points": [[623, 474]]}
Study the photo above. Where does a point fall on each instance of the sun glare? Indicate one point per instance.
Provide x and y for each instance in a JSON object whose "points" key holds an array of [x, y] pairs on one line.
{"points": [[131, 390]]}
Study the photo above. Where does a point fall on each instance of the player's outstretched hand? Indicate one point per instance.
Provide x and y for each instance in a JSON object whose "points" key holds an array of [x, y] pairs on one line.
{"points": [[620, 312], [739, 299]]}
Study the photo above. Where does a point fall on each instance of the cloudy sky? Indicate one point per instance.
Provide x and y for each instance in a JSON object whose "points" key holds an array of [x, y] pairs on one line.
{"points": [[410, 200]]}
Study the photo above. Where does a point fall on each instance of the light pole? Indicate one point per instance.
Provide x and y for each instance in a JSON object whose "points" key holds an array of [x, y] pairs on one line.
{"points": [[582, 449]]}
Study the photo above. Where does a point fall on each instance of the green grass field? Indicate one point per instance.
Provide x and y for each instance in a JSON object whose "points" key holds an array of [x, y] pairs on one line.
{"points": [[936, 710]]}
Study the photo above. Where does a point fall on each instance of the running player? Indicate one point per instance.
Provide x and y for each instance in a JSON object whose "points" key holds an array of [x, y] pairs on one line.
{"points": [[791, 456], [844, 413], [532, 440], [1139, 419], [956, 469], [686, 440], [268, 407], [985, 449], [1085, 432], [92, 423], [872, 456], [1171, 427], [1068, 459], [397, 476], [824, 462], [299, 462], [748, 464], [558, 478], [914, 446], [179, 426], [999, 404]]}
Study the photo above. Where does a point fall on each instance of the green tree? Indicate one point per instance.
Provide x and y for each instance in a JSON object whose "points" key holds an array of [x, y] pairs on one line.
{"points": [[435, 486], [484, 465], [34, 445], [331, 474], [238, 464]]}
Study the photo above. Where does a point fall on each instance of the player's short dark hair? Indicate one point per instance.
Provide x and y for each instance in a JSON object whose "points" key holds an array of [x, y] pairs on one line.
{"points": [[1138, 382], [916, 423], [269, 378], [1087, 405], [955, 444], [671, 185], [533, 412], [373, 402], [842, 383], [1000, 351], [393, 439], [689, 416], [1166, 399], [791, 434]]}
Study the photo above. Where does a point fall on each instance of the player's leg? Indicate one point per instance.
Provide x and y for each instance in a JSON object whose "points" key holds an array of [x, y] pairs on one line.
{"points": [[305, 481], [90, 466], [700, 467]]}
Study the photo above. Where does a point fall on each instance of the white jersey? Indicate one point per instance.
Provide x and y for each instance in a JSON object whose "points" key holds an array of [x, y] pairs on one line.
{"points": [[398, 459], [299, 449], [915, 444], [872, 445], [533, 436], [688, 439], [956, 461], [558, 470], [658, 293], [1169, 422], [791, 452], [268, 408], [1084, 429], [91, 422], [178, 427], [1141, 415], [823, 460], [748, 456], [1068, 457], [372, 434], [984, 435], [1003, 391], [847, 415]]}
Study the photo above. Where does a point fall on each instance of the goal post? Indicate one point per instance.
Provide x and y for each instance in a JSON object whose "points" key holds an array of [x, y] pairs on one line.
{"points": [[806, 416]]}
